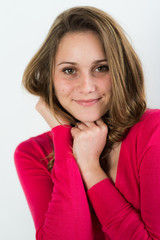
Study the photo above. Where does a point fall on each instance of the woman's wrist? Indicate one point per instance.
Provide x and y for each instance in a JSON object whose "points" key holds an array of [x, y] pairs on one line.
{"points": [[92, 176]]}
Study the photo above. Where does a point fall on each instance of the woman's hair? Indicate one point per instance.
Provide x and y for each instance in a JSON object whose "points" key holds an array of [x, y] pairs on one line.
{"points": [[127, 102]]}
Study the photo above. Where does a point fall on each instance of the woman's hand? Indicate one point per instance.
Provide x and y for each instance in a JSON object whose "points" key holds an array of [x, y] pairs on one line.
{"points": [[89, 141], [48, 116]]}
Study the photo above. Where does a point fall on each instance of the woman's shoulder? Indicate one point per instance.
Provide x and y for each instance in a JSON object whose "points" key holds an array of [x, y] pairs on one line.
{"points": [[149, 121], [41, 141], [35, 148], [146, 133], [151, 115]]}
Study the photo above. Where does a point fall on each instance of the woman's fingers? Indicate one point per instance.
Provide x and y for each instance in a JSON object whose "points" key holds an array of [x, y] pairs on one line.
{"points": [[89, 139], [101, 124], [81, 126], [52, 119], [90, 124], [74, 131]]}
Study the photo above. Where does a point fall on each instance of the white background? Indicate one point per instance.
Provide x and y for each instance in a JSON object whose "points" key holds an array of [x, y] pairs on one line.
{"points": [[23, 27]]}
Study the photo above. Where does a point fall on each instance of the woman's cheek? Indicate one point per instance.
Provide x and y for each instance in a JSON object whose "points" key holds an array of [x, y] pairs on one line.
{"points": [[64, 93]]}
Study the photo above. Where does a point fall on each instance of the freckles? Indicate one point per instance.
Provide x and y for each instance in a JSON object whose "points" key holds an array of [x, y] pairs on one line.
{"points": [[65, 89], [62, 91]]}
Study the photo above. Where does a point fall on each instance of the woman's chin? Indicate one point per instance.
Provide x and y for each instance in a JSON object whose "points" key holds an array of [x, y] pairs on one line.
{"points": [[88, 118]]}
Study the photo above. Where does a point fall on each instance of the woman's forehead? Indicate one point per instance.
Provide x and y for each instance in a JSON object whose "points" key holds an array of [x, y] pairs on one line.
{"points": [[75, 46]]}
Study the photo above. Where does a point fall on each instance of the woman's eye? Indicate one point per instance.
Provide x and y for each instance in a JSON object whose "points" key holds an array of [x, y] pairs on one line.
{"points": [[69, 71], [103, 68]]}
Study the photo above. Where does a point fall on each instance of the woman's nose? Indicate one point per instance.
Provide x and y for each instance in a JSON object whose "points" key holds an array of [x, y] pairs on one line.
{"points": [[87, 84]]}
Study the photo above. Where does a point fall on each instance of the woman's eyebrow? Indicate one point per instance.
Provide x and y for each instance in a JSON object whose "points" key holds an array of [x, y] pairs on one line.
{"points": [[74, 63], [101, 60]]}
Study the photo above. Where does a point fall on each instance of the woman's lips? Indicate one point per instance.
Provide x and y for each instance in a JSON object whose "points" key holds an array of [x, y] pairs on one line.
{"points": [[88, 102]]}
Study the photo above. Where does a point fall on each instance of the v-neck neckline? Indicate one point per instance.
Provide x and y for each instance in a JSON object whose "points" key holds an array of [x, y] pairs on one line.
{"points": [[119, 165], [122, 151]]}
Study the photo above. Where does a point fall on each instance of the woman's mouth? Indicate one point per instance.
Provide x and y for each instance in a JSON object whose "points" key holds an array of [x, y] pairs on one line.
{"points": [[88, 102]]}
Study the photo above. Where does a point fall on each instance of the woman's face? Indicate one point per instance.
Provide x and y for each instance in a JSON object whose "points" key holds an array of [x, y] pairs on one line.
{"points": [[81, 78]]}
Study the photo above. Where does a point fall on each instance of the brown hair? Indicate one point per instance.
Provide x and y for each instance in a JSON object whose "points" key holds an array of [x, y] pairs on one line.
{"points": [[128, 96]]}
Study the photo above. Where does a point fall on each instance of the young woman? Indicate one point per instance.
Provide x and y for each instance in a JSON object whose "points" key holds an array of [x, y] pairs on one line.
{"points": [[96, 174]]}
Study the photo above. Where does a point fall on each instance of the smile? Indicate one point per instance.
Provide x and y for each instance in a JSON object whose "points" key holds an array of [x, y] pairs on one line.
{"points": [[87, 103]]}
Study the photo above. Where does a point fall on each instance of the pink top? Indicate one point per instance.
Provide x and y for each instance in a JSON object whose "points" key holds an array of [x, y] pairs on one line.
{"points": [[58, 201]]}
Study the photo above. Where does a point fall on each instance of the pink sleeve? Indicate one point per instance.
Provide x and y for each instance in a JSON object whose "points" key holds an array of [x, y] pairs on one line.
{"points": [[58, 201], [117, 216]]}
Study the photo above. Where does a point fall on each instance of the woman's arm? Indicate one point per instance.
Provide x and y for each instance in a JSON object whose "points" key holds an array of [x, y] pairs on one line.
{"points": [[57, 200], [119, 219], [69, 214]]}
